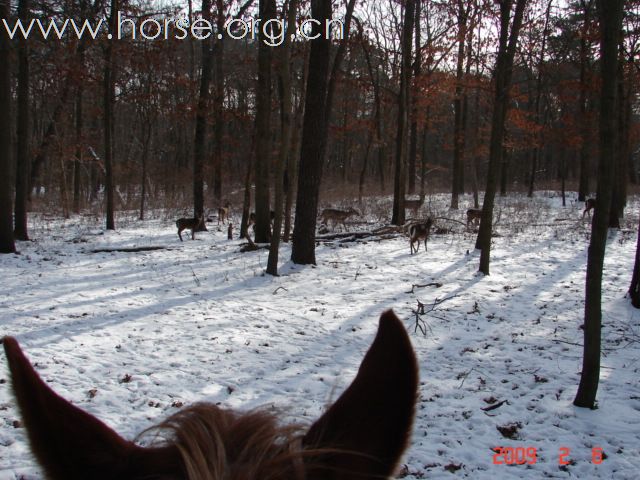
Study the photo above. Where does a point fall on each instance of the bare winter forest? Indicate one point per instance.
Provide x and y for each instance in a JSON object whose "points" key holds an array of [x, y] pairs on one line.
{"points": [[471, 164]]}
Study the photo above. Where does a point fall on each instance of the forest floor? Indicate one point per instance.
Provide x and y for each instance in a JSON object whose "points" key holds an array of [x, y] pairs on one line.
{"points": [[130, 336]]}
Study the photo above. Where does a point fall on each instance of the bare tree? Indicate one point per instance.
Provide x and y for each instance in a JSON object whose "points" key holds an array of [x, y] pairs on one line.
{"points": [[508, 41], [403, 115], [109, 101], [263, 128], [284, 76], [313, 139], [610, 16], [22, 158], [200, 138], [7, 244]]}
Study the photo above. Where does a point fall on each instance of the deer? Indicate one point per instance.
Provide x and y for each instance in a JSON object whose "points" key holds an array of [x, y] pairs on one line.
{"points": [[359, 437], [190, 223], [419, 231], [223, 213], [473, 215], [338, 216], [589, 205], [414, 205]]}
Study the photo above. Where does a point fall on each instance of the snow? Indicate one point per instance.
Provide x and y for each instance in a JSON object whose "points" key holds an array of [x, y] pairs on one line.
{"points": [[130, 337]]}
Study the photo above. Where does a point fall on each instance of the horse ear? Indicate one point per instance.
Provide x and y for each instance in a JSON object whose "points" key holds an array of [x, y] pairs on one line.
{"points": [[68, 442], [367, 429]]}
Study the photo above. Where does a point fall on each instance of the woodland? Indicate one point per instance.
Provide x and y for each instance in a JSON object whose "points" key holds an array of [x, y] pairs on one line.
{"points": [[471, 101]]}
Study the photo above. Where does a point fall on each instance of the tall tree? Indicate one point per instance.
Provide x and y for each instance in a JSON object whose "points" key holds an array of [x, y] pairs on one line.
{"points": [[22, 158], [417, 70], [585, 81], [7, 244], [610, 18], [263, 126], [218, 104], [457, 187], [535, 153], [202, 110], [403, 116], [314, 140], [284, 77], [109, 100], [509, 31]]}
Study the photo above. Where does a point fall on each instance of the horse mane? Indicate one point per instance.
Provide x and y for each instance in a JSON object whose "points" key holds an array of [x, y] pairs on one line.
{"points": [[219, 444]]}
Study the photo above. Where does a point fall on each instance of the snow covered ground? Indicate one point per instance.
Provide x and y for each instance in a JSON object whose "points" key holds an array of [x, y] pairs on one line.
{"points": [[130, 337]]}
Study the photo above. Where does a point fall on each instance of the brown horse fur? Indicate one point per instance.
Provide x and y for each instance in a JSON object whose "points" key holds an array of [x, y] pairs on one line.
{"points": [[361, 436]]}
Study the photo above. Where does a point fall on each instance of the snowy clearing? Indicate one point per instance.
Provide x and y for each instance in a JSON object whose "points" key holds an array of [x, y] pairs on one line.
{"points": [[131, 337]]}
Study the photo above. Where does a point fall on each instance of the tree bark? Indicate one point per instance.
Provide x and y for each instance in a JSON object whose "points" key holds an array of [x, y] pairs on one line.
{"points": [[610, 15], [314, 140], [585, 80], [22, 158], [502, 78], [417, 68], [285, 139], [200, 137], [218, 105], [399, 184], [7, 243], [109, 100], [262, 226], [458, 128]]}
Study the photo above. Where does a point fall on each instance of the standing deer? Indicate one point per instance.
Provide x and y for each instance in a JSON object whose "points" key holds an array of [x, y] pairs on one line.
{"points": [[360, 437], [473, 215], [223, 213], [589, 205], [419, 231], [414, 205], [337, 216], [190, 223]]}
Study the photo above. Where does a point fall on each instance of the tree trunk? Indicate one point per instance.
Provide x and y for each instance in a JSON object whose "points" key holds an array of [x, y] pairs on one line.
{"points": [[294, 155], [610, 15], [109, 100], [400, 178], [263, 130], [77, 162], [7, 243], [218, 105], [585, 124], [503, 74], [313, 140], [285, 141], [458, 135], [417, 67], [200, 137], [541, 59], [22, 158]]}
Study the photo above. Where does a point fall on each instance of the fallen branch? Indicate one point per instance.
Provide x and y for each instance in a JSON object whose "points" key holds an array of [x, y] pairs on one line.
{"points": [[432, 284], [130, 249], [494, 406]]}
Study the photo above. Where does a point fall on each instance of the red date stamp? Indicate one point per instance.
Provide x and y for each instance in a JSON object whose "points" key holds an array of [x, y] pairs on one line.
{"points": [[529, 456]]}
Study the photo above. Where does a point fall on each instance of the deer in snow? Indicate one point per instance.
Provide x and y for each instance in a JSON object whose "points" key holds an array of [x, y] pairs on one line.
{"points": [[419, 231], [337, 216], [190, 223], [589, 205], [361, 436], [473, 216], [414, 205], [223, 212]]}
